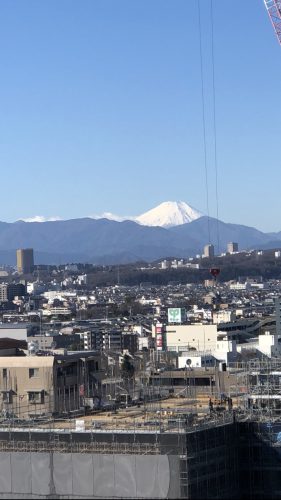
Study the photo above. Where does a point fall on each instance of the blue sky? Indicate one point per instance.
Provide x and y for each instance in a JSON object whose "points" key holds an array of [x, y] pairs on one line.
{"points": [[101, 110]]}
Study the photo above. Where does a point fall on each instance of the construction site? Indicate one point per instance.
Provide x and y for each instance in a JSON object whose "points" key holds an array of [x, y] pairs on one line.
{"points": [[196, 442]]}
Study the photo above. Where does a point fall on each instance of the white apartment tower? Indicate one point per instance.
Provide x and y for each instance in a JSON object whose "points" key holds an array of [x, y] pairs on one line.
{"points": [[209, 251], [232, 247]]}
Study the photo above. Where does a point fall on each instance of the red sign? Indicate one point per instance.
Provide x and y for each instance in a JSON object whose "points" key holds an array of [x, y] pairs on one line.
{"points": [[215, 271], [159, 339]]}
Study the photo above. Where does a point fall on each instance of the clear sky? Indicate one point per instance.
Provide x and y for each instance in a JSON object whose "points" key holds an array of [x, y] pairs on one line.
{"points": [[101, 110]]}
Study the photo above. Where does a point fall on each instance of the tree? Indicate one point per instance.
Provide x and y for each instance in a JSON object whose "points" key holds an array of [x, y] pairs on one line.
{"points": [[127, 368]]}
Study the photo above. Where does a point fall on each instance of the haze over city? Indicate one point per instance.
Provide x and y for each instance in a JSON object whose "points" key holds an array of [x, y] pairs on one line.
{"points": [[101, 109]]}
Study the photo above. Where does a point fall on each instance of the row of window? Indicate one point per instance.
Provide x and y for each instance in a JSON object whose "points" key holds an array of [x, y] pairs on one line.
{"points": [[68, 370], [33, 372], [33, 397]]}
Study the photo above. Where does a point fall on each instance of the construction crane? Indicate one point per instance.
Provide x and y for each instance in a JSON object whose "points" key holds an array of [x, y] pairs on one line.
{"points": [[273, 8]]}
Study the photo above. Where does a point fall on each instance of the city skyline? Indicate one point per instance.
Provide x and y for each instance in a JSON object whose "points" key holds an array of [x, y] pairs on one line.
{"points": [[101, 104]]}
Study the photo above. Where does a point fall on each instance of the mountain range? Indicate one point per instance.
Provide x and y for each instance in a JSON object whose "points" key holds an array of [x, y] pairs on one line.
{"points": [[104, 241]]}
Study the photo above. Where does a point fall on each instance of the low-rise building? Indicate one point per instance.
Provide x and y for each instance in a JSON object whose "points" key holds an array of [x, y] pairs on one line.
{"points": [[268, 345], [92, 339], [226, 351], [223, 316], [180, 338], [55, 341], [16, 331], [195, 359], [34, 385]]}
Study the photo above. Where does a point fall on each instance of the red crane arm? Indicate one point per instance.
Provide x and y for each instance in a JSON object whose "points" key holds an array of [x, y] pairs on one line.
{"points": [[273, 8]]}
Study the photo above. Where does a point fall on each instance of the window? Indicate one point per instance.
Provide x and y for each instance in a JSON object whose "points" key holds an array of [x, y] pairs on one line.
{"points": [[7, 397], [4, 372], [36, 397], [33, 372]]}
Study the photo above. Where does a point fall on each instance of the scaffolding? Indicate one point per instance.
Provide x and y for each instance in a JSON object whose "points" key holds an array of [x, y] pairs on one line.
{"points": [[200, 454], [259, 444], [59, 446], [264, 389], [215, 446]]}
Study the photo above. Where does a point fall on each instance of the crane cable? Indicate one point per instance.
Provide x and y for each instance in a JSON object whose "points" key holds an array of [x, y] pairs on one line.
{"points": [[215, 126], [214, 121], [204, 119]]}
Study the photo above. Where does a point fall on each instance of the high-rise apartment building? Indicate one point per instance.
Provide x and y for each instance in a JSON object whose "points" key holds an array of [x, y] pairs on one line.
{"points": [[9, 291], [232, 247], [209, 251], [15, 290], [25, 260], [3, 292]]}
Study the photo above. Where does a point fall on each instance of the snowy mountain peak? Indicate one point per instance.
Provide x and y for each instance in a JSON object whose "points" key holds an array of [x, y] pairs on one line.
{"points": [[168, 214]]}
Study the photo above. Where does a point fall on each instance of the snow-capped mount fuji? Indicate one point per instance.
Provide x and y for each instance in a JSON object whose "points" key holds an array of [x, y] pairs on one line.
{"points": [[169, 214]]}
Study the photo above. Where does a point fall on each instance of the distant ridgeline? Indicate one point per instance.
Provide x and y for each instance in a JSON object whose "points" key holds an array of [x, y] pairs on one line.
{"points": [[106, 241]]}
